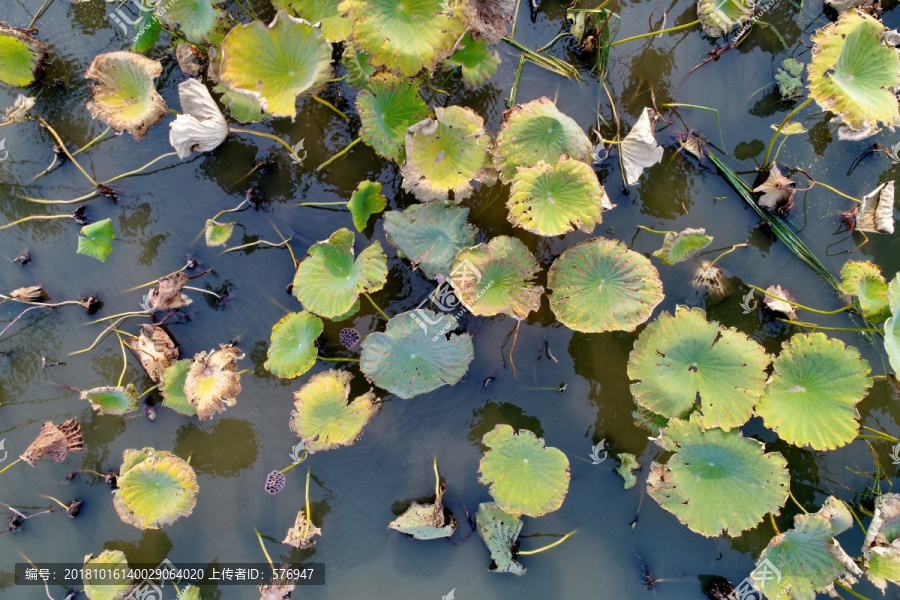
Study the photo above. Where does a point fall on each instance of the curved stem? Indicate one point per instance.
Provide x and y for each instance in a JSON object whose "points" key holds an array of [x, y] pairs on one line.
{"points": [[34, 218], [92, 194], [20, 315], [343, 77], [554, 40], [97, 339], [155, 281], [66, 150], [263, 134], [798, 305], [838, 192], [344, 151], [729, 251], [136, 313], [246, 11], [136, 171], [331, 106], [553, 545], [230, 210], [654, 33], [92, 142], [800, 506], [241, 247], [308, 509], [338, 359], [814, 326], [774, 526], [803, 105], [713, 110], [654, 230], [840, 584], [261, 545], [147, 391], [9, 466], [383, 314], [437, 481], [124, 360], [295, 463], [515, 339], [202, 291]]}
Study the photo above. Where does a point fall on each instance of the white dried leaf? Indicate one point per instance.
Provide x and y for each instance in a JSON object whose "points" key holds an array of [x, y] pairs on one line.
{"points": [[639, 149], [876, 213], [202, 126]]}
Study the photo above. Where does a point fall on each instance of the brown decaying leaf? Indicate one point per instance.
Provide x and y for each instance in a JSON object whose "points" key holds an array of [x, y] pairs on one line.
{"points": [[425, 515], [281, 588], [190, 59], [778, 192], [31, 293], [876, 213], [212, 382], [780, 306], [490, 19], [301, 534], [168, 295], [55, 442], [156, 350]]}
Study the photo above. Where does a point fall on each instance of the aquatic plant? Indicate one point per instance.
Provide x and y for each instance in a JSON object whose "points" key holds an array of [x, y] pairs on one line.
{"points": [[292, 350], [430, 235], [125, 97], [155, 488]]}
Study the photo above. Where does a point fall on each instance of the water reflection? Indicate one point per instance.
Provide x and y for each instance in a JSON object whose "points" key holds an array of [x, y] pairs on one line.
{"points": [[224, 449]]}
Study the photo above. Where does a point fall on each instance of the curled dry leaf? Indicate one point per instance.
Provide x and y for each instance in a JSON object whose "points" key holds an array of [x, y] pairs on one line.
{"points": [[31, 293], [639, 149], [876, 213], [301, 534], [489, 19], [212, 381], [189, 59], [777, 192], [155, 349], [425, 521], [168, 295], [55, 442], [776, 301], [201, 127], [19, 110]]}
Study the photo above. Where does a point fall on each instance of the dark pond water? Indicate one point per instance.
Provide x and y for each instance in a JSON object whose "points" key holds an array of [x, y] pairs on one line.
{"points": [[354, 491]]}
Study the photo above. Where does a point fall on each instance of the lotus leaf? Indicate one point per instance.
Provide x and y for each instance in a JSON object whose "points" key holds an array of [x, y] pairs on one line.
{"points": [[201, 21], [626, 469], [242, 107], [189, 593], [407, 361], [201, 127], [601, 285], [168, 294], [718, 18], [881, 547], [683, 245], [812, 396], [430, 235], [499, 530], [212, 381], [329, 281], [301, 534], [386, 108], [155, 349], [323, 418], [275, 64], [497, 278], [366, 200], [876, 213], [477, 62], [534, 132], [324, 13], [55, 442], [107, 588], [20, 109], [678, 360], [446, 154], [358, 66], [112, 400], [525, 477], [639, 150], [172, 388], [125, 97], [293, 351], [404, 37], [838, 515], [217, 234], [155, 488], [148, 29], [717, 481], [864, 280], [853, 71], [21, 56], [425, 521], [95, 240], [489, 19]]}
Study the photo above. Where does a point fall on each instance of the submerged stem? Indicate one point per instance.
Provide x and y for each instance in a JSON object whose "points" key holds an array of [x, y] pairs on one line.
{"points": [[654, 230], [34, 218], [136, 171], [383, 314], [654, 33], [342, 152], [798, 305], [553, 545], [814, 326], [331, 106]]}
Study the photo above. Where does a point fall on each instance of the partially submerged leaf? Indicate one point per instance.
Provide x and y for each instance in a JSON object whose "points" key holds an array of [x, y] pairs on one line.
{"points": [[125, 96], [21, 56], [525, 477], [386, 108], [862, 279], [171, 387], [718, 18], [430, 235], [212, 381], [275, 64], [366, 200], [200, 21], [155, 349], [639, 150], [217, 234], [20, 109], [892, 325], [167, 295], [55, 442], [837, 513], [102, 587], [876, 213], [497, 278], [95, 240], [477, 62], [601, 285], [329, 281], [200, 127], [292, 350], [777, 192], [717, 481], [881, 547], [155, 488], [489, 19], [626, 469], [446, 154], [357, 64], [302, 533], [407, 359], [685, 244], [112, 400], [335, 27], [500, 530], [812, 395], [425, 521], [775, 300], [322, 416]]}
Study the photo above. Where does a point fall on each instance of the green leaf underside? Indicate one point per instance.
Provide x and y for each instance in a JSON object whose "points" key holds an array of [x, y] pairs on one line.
{"points": [[95, 240], [524, 476], [685, 244], [155, 488], [386, 108], [601, 285], [106, 588], [430, 235], [323, 418], [148, 29], [172, 388], [410, 358], [366, 200], [20, 57], [200, 21], [678, 359], [499, 530], [717, 481], [865, 281], [815, 386], [477, 62], [112, 400], [292, 351]]}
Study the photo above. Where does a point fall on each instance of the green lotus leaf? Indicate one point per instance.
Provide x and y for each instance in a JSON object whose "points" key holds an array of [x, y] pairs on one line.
{"points": [[275, 64], [199, 20], [629, 464], [718, 18], [386, 108], [812, 396], [838, 515], [357, 63], [21, 56], [807, 558], [212, 381], [499, 530], [649, 420], [446, 154], [881, 547], [329, 281], [477, 62], [155, 488], [335, 27], [426, 521], [172, 389], [553, 199], [292, 351], [112, 400], [683, 245], [107, 588], [430, 235], [883, 565], [525, 477], [403, 37], [366, 200], [678, 360], [600, 285], [189, 593], [534, 132], [241, 106], [125, 97], [853, 71], [496, 278], [95, 240], [217, 234], [717, 481], [323, 418], [864, 280], [148, 29], [892, 325], [408, 359]]}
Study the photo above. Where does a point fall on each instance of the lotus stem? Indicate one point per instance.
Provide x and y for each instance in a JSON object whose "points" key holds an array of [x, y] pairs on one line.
{"points": [[335, 80], [344, 151], [124, 360], [803, 105], [44, 304], [337, 359], [96, 340], [175, 34], [838, 192], [9, 466], [798, 305], [553, 545], [34, 218], [295, 463], [840, 584], [436, 90], [888, 437], [62, 145], [244, 371], [64, 507], [261, 545], [512, 30], [383, 314], [878, 377], [137, 313], [39, 14], [514, 90], [290, 149], [437, 481], [515, 339], [201, 290], [342, 203], [246, 11], [855, 517], [548, 62], [774, 526], [655, 230], [729, 251], [554, 40], [718, 123], [816, 327], [778, 150], [308, 509], [92, 194], [19, 316], [230, 210], [331, 106], [92, 142], [136, 171], [4, 123], [155, 281], [274, 245], [655, 33], [147, 391]]}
